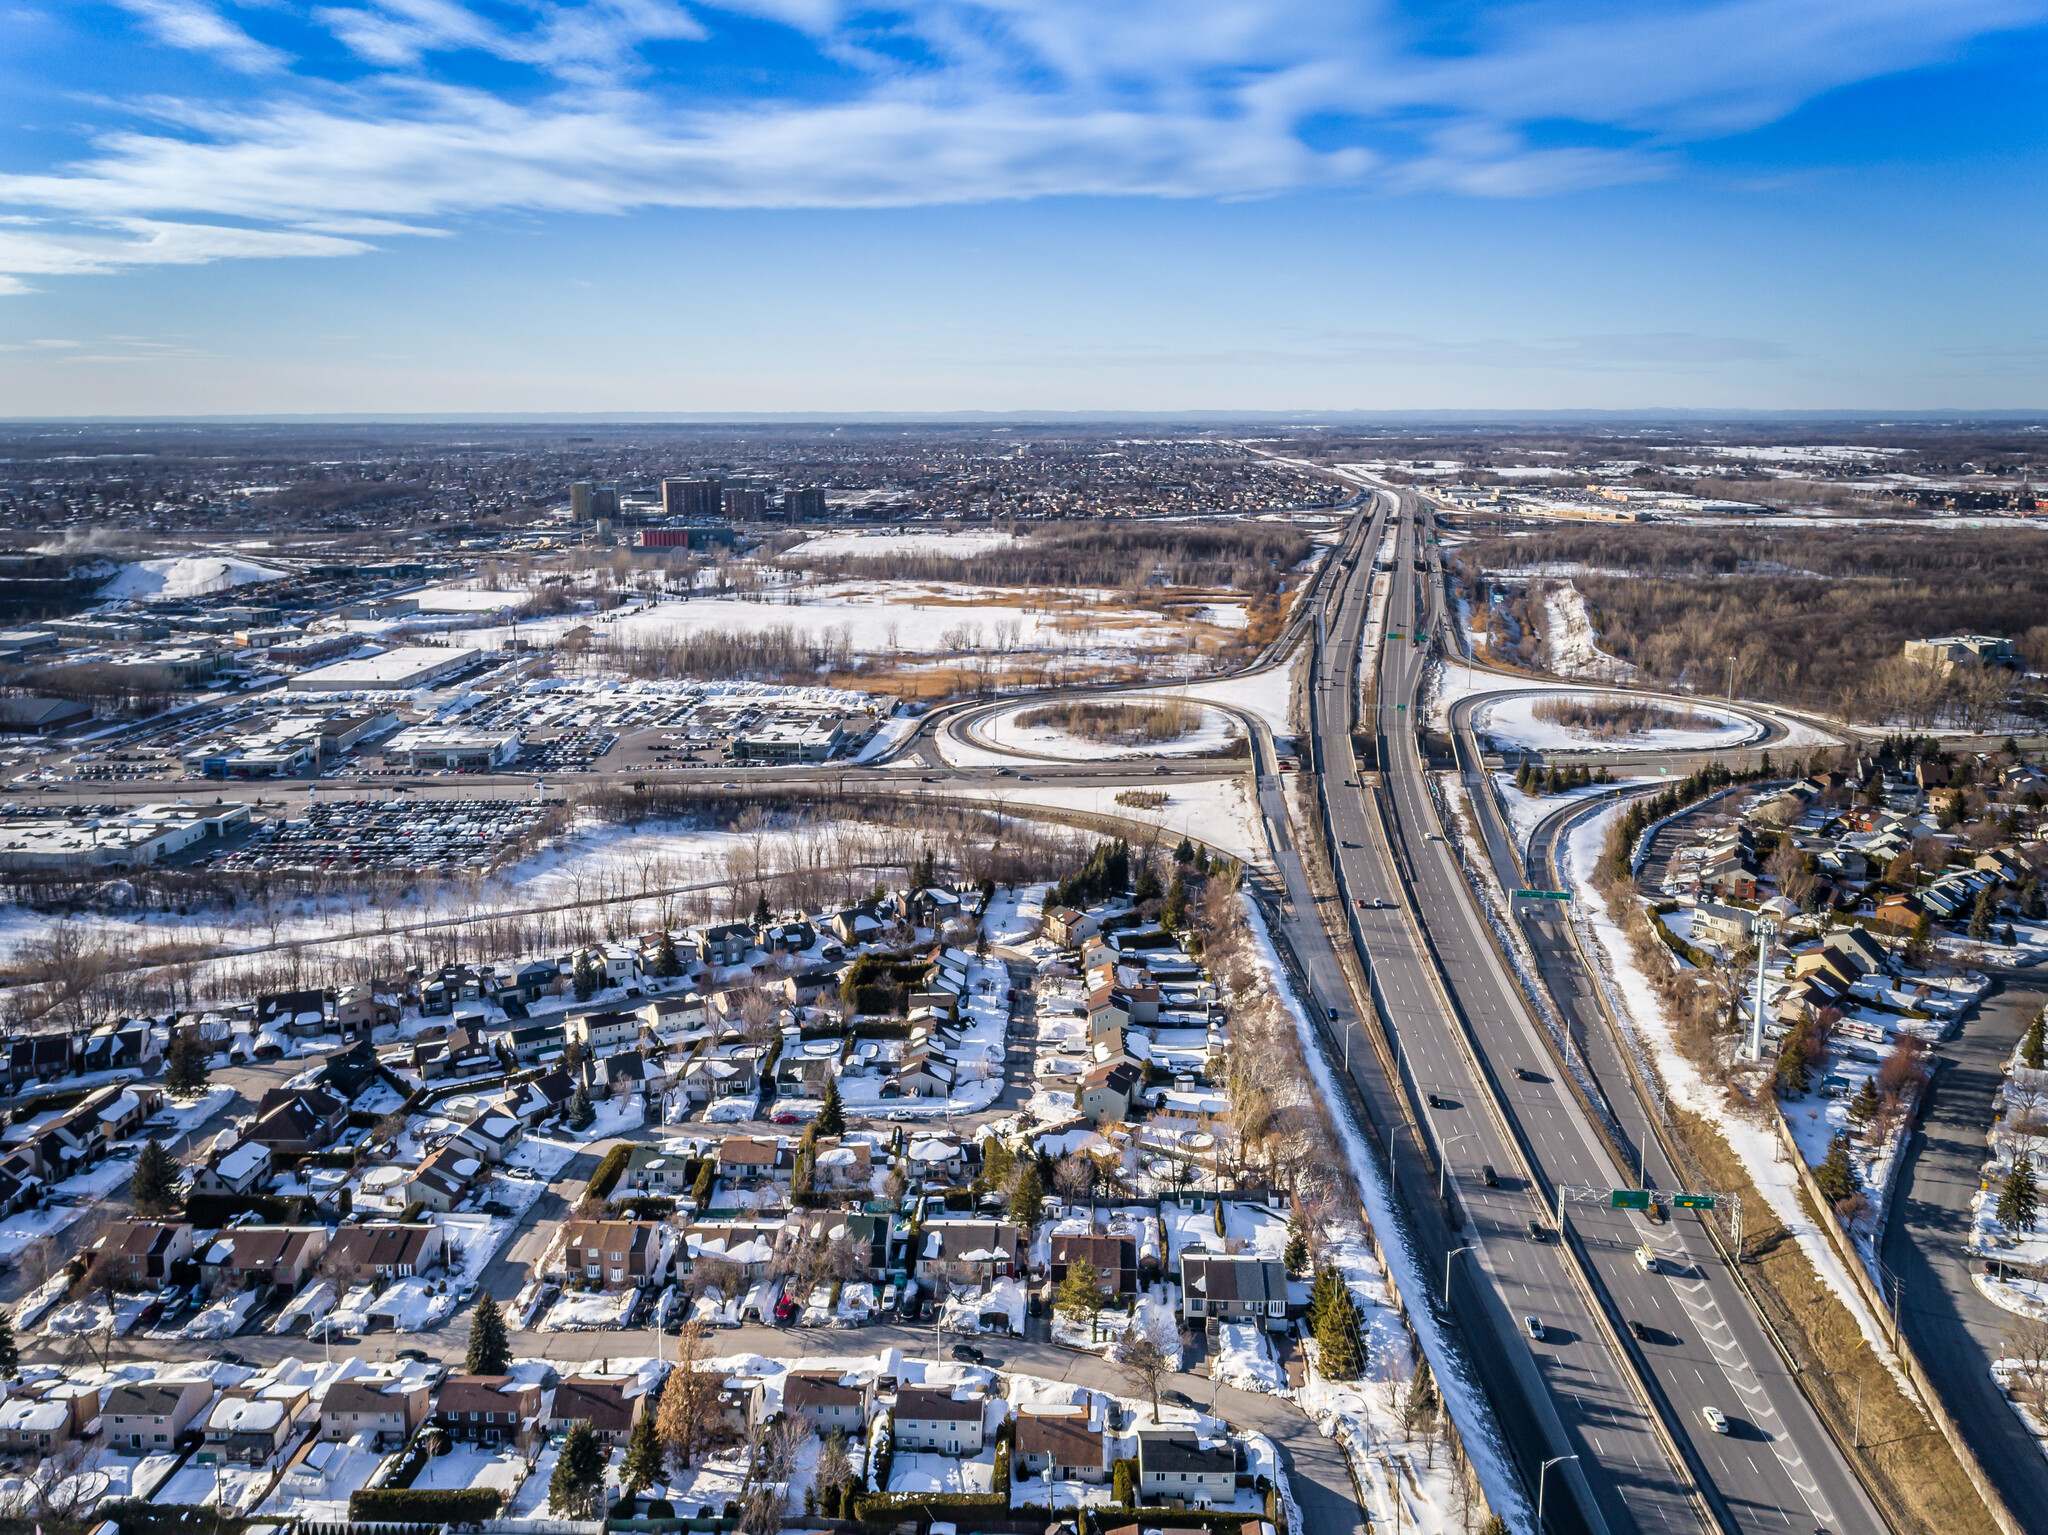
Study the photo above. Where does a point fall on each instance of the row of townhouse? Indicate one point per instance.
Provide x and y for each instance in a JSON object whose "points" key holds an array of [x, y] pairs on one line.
{"points": [[145, 1255]]}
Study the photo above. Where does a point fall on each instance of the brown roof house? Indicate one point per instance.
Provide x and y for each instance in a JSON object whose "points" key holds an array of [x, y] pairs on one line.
{"points": [[382, 1250], [141, 1253], [31, 1426], [1238, 1288], [967, 1252], [938, 1420], [279, 1255], [291, 1122], [827, 1401], [1107, 1091], [388, 1411], [249, 1428], [146, 1416], [441, 1182], [1061, 1447], [616, 1253], [488, 1409], [600, 1401], [1115, 1260]]}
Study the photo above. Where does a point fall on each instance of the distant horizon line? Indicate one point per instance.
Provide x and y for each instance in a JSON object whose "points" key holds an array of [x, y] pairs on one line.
{"points": [[1505, 416]]}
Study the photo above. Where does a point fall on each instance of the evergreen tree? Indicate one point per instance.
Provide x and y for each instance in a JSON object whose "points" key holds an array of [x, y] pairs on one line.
{"points": [[1296, 1256], [667, 963], [2009, 938], [1175, 916], [490, 1350], [185, 1071], [642, 1466], [1201, 860], [762, 915], [2020, 1200], [1080, 1293], [832, 1116], [1837, 1174], [154, 1183], [1793, 1070], [581, 1112], [579, 1471], [700, 1191], [10, 1352], [2034, 1048], [1864, 1105], [1340, 1349], [585, 978], [1028, 1202], [1319, 1295], [1184, 852], [803, 1178], [1148, 888], [1981, 914]]}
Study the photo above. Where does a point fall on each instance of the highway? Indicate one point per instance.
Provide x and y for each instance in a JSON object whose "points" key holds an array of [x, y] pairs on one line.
{"points": [[1776, 1468]]}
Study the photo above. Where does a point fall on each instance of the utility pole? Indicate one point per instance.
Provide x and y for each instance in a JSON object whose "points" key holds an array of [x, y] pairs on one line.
{"points": [[1765, 931]]}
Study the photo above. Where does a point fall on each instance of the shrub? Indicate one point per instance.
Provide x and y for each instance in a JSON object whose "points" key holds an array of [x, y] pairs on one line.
{"points": [[609, 1171], [417, 1505]]}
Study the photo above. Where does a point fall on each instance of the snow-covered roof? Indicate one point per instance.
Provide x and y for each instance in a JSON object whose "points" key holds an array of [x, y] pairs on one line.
{"points": [[241, 1414]]}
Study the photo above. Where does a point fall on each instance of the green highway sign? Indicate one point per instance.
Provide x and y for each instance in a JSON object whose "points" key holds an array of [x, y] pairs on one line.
{"points": [[1543, 895], [1629, 1199], [1693, 1201], [1400, 706]]}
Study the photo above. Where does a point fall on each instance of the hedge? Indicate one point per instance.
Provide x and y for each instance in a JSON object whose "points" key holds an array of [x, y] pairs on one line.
{"points": [[423, 1505], [210, 1211], [609, 1171]]}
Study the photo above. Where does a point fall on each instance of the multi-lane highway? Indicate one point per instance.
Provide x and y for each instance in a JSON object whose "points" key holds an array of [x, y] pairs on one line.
{"points": [[1466, 1039]]}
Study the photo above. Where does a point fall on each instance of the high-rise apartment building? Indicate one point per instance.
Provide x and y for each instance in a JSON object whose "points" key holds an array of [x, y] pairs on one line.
{"points": [[588, 502], [804, 501], [744, 503], [691, 498]]}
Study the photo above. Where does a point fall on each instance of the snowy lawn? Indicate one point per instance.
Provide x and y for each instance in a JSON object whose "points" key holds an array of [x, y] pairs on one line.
{"points": [[585, 1312], [469, 1465], [924, 1472]]}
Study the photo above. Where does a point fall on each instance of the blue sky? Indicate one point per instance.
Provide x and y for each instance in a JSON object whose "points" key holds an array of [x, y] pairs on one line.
{"points": [[223, 206]]}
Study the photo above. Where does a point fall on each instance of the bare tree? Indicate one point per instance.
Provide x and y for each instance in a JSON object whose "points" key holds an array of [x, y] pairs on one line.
{"points": [[2026, 1345], [689, 1401], [1144, 1365]]}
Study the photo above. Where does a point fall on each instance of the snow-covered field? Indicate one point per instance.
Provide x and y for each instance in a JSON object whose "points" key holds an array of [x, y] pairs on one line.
{"points": [[588, 1311], [894, 541], [1212, 810], [1511, 723], [469, 599], [1213, 732], [1571, 647], [1527, 811]]}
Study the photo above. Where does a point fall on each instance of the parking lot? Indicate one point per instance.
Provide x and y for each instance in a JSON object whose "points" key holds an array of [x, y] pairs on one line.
{"points": [[415, 835]]}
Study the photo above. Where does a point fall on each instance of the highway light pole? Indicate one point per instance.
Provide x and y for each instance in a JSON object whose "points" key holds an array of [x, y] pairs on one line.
{"points": [[1443, 1159], [1541, 1478], [1467, 1248]]}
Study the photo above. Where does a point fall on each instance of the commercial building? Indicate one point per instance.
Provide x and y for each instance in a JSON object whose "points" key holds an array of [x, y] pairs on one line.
{"points": [[795, 736], [439, 746], [1961, 649], [397, 671], [40, 716], [140, 837]]}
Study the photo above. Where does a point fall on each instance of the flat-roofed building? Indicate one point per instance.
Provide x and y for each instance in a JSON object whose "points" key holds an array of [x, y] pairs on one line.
{"points": [[439, 746], [397, 671]]}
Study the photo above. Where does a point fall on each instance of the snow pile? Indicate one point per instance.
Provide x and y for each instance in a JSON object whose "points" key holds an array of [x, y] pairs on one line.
{"points": [[1571, 645], [586, 1312], [183, 576], [223, 1319], [305, 1308], [93, 1315], [1244, 1359]]}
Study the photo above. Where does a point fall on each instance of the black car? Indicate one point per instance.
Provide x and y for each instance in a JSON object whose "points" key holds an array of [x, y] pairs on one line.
{"points": [[1488, 1176], [418, 1355], [1179, 1398], [1526, 1075], [1538, 1232], [1436, 1101], [1642, 1333], [967, 1353]]}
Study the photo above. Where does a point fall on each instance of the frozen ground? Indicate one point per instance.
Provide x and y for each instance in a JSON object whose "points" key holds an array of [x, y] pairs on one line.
{"points": [[1213, 732], [891, 542], [1525, 811], [1212, 810], [1511, 723], [1571, 646], [1014, 916]]}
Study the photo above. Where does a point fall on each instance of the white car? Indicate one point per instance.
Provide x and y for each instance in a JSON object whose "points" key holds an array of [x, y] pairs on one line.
{"points": [[1717, 1420]]}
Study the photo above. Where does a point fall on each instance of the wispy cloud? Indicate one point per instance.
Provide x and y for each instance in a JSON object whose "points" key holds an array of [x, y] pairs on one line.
{"points": [[199, 27], [929, 102]]}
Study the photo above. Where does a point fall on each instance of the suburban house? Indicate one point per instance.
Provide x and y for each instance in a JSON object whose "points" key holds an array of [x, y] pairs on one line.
{"points": [[606, 1030], [967, 1252], [747, 1159], [1175, 1463], [382, 1250], [244, 1168], [490, 1136], [938, 1420], [600, 1401], [1061, 1447], [486, 1409], [827, 1401], [1233, 1288], [1115, 1260], [29, 1426], [615, 1253], [144, 1417], [278, 1255], [250, 1429], [388, 1411], [725, 946], [1106, 1092], [545, 1097], [657, 1170], [1726, 926], [1067, 927], [294, 1123], [441, 1182], [140, 1253]]}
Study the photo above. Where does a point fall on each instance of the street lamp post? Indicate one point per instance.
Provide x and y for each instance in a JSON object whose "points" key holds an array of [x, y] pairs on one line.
{"points": [[1467, 1248], [1541, 1478], [1443, 1161]]}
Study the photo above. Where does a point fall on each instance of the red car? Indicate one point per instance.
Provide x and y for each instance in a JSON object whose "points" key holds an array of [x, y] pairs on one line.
{"points": [[785, 1312]]}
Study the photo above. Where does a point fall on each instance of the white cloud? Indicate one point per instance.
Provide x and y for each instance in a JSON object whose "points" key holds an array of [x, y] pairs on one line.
{"points": [[943, 101], [194, 25]]}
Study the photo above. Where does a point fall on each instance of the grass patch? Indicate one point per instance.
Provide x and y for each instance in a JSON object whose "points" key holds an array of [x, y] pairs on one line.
{"points": [[1139, 723], [1606, 718]]}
